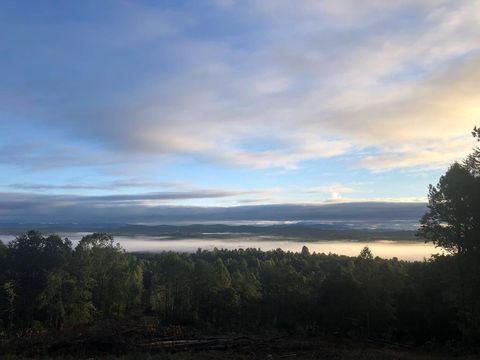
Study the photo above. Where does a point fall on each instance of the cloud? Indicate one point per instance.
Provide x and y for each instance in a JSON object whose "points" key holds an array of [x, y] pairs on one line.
{"points": [[112, 185], [334, 188], [395, 84], [18, 208], [15, 206], [430, 126], [288, 158], [334, 191]]}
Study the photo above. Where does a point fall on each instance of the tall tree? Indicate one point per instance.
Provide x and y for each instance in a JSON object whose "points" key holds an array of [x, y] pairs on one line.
{"points": [[453, 223], [453, 217], [31, 258], [113, 277]]}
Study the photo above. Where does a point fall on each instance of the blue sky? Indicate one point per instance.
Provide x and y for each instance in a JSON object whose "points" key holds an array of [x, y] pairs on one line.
{"points": [[229, 102]]}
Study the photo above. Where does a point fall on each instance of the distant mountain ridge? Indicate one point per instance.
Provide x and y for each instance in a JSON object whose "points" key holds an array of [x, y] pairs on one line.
{"points": [[301, 231]]}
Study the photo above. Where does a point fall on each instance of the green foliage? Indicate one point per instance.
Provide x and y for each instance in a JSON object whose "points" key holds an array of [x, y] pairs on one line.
{"points": [[47, 284], [31, 259], [112, 277], [453, 219], [453, 223]]}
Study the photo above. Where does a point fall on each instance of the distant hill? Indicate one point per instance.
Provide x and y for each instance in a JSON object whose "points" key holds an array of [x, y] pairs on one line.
{"points": [[292, 231], [300, 231]]}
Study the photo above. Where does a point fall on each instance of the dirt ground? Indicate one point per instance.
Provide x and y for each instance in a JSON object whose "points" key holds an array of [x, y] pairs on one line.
{"points": [[147, 340]]}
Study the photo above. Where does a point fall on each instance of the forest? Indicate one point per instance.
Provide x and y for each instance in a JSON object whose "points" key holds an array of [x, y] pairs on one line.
{"points": [[48, 286]]}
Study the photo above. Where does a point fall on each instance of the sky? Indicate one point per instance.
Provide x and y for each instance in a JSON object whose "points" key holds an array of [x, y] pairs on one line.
{"points": [[227, 102]]}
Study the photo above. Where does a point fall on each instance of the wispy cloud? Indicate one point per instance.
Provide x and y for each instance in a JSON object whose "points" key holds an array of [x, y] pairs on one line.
{"points": [[233, 94], [22, 205], [322, 96], [112, 185]]}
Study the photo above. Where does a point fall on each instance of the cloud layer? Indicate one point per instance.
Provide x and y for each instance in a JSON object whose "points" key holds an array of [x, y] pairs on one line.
{"points": [[18, 209], [122, 89], [320, 80]]}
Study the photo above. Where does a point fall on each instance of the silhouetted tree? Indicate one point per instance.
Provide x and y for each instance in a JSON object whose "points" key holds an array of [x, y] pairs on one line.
{"points": [[453, 223]]}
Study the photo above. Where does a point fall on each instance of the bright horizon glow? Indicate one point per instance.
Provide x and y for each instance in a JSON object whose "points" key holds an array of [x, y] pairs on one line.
{"points": [[402, 250]]}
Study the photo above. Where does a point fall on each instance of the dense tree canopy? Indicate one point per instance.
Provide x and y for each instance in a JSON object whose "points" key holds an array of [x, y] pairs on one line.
{"points": [[49, 284], [453, 219], [453, 223]]}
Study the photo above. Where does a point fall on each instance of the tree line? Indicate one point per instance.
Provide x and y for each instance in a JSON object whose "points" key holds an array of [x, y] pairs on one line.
{"points": [[46, 283]]}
